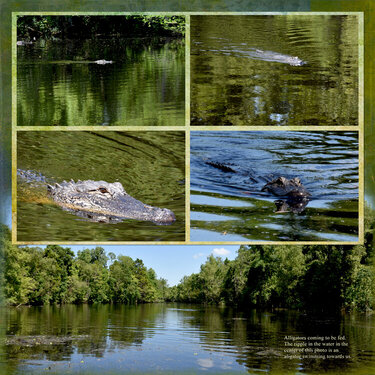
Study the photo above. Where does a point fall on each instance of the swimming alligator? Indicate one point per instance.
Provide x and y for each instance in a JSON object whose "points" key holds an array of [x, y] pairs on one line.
{"points": [[293, 195], [103, 62], [296, 197], [281, 186], [271, 56], [276, 57], [23, 43], [100, 201]]}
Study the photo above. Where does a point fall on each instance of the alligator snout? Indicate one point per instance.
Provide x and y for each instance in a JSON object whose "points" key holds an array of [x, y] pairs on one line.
{"points": [[101, 201], [164, 217]]}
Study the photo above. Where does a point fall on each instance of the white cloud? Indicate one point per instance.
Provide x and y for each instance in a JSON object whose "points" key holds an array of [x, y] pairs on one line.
{"points": [[199, 255], [220, 251], [205, 362]]}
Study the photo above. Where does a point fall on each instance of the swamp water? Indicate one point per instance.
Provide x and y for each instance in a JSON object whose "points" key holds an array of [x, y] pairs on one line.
{"points": [[227, 206], [59, 83], [150, 166], [177, 338], [240, 74]]}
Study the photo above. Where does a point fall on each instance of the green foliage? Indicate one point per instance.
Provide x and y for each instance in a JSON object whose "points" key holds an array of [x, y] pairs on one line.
{"points": [[4, 239], [37, 276], [123, 282], [211, 278], [313, 277], [265, 275], [85, 27], [172, 24]]}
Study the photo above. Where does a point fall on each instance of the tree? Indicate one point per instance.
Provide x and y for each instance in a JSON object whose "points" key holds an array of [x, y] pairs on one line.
{"points": [[211, 278], [123, 282]]}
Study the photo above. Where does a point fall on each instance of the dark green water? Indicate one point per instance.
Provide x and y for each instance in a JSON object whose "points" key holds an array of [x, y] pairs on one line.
{"points": [[232, 85], [150, 166], [172, 338], [230, 206], [58, 82]]}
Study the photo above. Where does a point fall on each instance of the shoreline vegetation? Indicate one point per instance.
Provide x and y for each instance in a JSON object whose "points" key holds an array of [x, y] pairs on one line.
{"points": [[320, 278], [31, 28]]}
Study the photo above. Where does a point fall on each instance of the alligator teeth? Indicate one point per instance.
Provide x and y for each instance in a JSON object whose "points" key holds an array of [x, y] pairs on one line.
{"points": [[58, 185]]}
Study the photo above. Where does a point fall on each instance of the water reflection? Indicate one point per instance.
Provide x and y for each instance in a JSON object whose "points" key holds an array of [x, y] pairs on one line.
{"points": [[177, 338], [325, 162], [274, 70], [60, 83]]}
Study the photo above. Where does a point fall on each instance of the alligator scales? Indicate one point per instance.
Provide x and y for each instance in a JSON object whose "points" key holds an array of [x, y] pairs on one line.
{"points": [[101, 201]]}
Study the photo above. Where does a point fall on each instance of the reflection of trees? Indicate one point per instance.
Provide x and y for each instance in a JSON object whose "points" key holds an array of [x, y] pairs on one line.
{"points": [[339, 217], [326, 163], [146, 77], [54, 333], [256, 338], [132, 324], [228, 88]]}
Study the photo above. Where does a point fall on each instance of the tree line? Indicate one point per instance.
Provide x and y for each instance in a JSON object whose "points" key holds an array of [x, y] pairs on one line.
{"points": [[55, 275], [319, 278], [81, 27], [314, 277]]}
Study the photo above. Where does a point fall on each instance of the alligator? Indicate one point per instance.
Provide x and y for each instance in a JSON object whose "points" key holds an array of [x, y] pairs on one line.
{"points": [[103, 62], [100, 201], [271, 56], [293, 195], [296, 197], [281, 186], [23, 43]]}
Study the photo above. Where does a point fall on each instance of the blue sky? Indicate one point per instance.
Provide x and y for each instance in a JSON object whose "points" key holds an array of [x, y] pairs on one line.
{"points": [[171, 262]]}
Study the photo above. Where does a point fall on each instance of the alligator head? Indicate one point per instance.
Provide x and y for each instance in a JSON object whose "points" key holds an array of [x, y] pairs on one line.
{"points": [[101, 201], [296, 197], [282, 186]]}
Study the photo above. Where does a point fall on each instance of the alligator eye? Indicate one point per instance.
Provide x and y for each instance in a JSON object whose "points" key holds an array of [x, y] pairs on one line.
{"points": [[103, 190]]}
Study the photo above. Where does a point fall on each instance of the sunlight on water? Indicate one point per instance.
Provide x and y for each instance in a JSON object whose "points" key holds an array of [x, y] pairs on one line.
{"points": [[170, 338], [325, 162]]}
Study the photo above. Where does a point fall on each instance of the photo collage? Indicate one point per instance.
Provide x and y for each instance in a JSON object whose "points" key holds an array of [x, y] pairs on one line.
{"points": [[188, 192], [206, 129]]}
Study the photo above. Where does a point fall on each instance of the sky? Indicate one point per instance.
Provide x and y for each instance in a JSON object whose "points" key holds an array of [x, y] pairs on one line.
{"points": [[170, 262]]}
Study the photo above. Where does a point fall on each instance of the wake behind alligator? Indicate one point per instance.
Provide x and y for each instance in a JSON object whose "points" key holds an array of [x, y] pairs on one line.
{"points": [[67, 62], [100, 201], [293, 196]]}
